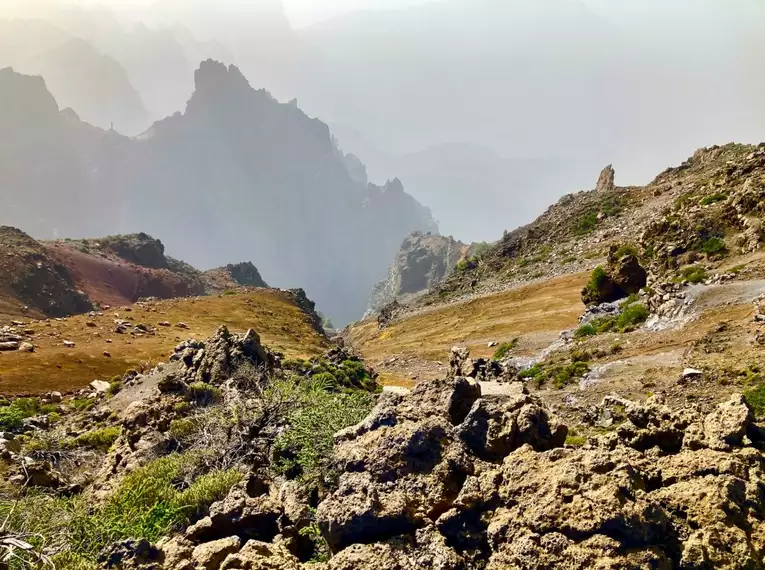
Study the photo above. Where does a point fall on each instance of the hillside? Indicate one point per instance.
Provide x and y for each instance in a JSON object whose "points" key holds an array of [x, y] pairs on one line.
{"points": [[236, 163], [696, 229], [137, 336], [607, 411], [67, 277], [421, 263]]}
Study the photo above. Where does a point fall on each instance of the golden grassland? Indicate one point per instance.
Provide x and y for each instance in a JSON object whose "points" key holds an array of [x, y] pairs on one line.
{"points": [[281, 324], [536, 313]]}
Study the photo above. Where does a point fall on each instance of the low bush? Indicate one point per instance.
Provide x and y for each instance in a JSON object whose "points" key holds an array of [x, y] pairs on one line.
{"points": [[149, 503], [12, 415], [304, 449], [101, 439], [504, 349], [115, 386], [693, 274], [626, 249], [713, 199], [585, 331], [631, 317], [594, 285], [203, 394], [713, 246], [756, 400]]}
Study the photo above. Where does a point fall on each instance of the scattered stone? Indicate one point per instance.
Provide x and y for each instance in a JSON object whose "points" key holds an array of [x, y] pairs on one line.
{"points": [[182, 325], [8, 346], [100, 386], [164, 324], [210, 555], [26, 347], [107, 354], [69, 344]]}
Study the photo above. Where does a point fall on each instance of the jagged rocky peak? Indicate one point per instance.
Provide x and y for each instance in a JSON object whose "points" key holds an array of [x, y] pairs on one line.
{"points": [[24, 98], [213, 75], [422, 262], [606, 179]]}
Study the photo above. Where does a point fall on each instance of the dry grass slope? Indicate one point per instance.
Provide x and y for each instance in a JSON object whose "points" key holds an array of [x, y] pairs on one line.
{"points": [[272, 313]]}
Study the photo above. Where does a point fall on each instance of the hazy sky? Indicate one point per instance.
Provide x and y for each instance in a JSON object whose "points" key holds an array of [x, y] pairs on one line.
{"points": [[300, 12]]}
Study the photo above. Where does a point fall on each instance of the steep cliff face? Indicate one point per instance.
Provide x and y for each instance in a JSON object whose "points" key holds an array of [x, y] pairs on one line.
{"points": [[422, 262], [236, 176]]}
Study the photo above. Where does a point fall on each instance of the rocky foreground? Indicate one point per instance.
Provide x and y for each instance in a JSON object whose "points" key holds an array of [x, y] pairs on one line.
{"points": [[443, 477]]}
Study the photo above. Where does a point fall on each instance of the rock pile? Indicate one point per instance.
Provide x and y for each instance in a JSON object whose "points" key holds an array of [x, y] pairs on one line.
{"points": [[215, 360], [482, 369], [446, 478]]}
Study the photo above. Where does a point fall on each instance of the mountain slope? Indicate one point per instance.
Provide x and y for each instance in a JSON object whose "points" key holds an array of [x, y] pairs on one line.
{"points": [[237, 176], [696, 331], [94, 85]]}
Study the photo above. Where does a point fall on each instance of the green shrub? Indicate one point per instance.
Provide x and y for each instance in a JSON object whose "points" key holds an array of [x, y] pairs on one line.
{"points": [[12, 415], [11, 418], [626, 249], [756, 400], [304, 449], [631, 317], [183, 428], [504, 349], [576, 440], [713, 199], [147, 504], [83, 404], [585, 331], [693, 274], [230, 293], [713, 246], [204, 394], [570, 259], [532, 372], [101, 439], [115, 387], [597, 278], [585, 223]]}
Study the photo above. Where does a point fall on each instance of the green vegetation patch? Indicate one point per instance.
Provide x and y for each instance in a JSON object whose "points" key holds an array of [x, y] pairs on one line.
{"points": [[149, 503], [504, 349], [713, 199], [714, 246], [349, 374], [12, 415], [559, 374], [693, 274], [756, 400], [633, 313], [304, 449], [101, 439]]}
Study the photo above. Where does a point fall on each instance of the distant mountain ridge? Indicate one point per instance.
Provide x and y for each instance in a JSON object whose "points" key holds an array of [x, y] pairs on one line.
{"points": [[237, 176]]}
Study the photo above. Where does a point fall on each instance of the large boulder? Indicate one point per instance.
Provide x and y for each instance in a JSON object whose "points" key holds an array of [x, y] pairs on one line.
{"points": [[622, 276]]}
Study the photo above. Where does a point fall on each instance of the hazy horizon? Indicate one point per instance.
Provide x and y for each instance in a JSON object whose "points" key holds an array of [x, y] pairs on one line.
{"points": [[499, 107]]}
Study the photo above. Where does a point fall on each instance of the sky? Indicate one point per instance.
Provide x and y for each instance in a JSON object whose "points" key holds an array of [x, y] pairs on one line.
{"points": [[301, 13]]}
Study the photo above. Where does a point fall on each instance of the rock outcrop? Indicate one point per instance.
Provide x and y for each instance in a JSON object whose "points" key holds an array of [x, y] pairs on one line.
{"points": [[422, 262], [215, 360], [622, 276], [606, 180], [233, 275], [449, 479]]}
